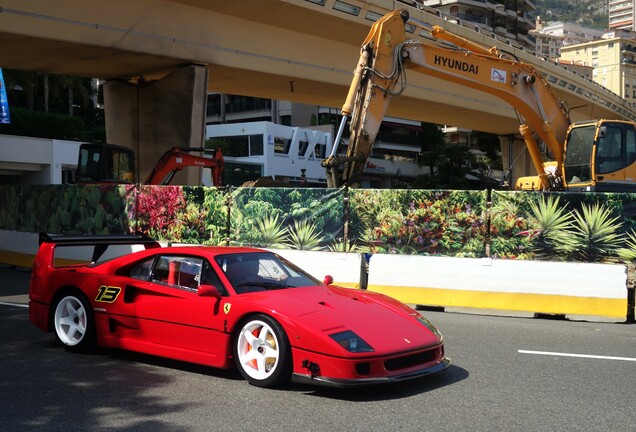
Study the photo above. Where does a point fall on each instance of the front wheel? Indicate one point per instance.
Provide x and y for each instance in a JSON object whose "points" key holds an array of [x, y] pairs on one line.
{"points": [[73, 323], [262, 352]]}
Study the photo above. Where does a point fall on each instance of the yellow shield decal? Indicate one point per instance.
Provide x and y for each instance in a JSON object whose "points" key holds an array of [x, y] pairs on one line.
{"points": [[226, 308]]}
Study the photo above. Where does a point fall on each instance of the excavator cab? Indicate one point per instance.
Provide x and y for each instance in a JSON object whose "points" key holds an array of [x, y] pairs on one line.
{"points": [[105, 163], [600, 156]]}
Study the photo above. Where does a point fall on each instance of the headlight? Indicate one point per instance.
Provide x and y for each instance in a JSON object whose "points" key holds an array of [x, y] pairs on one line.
{"points": [[351, 342], [428, 325]]}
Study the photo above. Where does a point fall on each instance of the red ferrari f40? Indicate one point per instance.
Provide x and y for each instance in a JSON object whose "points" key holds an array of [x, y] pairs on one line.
{"points": [[228, 307]]}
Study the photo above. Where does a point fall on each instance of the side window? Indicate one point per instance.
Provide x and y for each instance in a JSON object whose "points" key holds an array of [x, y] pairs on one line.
{"points": [[630, 146], [610, 144], [209, 277], [142, 270], [178, 271], [610, 150]]}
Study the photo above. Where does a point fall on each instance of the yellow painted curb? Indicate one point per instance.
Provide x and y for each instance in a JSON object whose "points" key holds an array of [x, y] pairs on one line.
{"points": [[511, 301], [16, 259]]}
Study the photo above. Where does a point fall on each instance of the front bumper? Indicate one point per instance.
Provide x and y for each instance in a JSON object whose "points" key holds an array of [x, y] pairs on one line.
{"points": [[368, 381]]}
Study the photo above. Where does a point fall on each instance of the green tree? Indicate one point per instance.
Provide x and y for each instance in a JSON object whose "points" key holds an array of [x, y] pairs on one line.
{"points": [[45, 97], [589, 13], [448, 164]]}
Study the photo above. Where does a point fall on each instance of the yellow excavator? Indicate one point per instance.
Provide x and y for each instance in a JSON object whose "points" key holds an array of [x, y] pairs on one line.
{"points": [[590, 156]]}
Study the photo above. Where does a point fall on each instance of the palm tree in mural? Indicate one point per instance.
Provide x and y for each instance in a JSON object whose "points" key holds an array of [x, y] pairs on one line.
{"points": [[551, 236], [628, 252], [303, 236], [596, 234], [343, 246], [272, 232]]}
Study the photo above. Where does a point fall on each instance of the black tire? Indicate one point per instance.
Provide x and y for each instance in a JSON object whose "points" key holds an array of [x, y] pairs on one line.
{"points": [[73, 322], [262, 352]]}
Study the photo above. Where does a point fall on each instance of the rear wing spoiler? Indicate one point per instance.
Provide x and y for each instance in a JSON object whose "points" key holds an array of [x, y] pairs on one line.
{"points": [[101, 242]]}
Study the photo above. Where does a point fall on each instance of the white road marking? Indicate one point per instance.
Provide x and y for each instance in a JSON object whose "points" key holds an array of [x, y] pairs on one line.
{"points": [[15, 304], [577, 355]]}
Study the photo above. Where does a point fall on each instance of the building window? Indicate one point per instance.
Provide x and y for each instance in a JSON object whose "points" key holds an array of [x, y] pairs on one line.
{"points": [[238, 146], [302, 147], [235, 174], [281, 145], [320, 151], [256, 145], [214, 104], [346, 7], [285, 120]]}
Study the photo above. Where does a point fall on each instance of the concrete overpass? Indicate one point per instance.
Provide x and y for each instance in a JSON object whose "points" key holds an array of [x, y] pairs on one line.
{"points": [[158, 56]]}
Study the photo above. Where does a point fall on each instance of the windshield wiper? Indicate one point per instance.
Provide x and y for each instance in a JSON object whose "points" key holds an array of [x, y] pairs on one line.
{"points": [[268, 285]]}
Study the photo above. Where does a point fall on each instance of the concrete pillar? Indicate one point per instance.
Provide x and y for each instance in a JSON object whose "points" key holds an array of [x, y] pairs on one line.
{"points": [[151, 117]]}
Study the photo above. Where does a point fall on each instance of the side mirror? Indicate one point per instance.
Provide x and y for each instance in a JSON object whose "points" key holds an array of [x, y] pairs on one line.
{"points": [[328, 280], [208, 291]]}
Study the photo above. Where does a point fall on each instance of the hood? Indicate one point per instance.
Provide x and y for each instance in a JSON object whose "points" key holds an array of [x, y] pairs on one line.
{"points": [[317, 312]]}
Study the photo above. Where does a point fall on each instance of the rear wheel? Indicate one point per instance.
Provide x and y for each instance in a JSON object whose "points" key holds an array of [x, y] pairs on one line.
{"points": [[73, 322], [262, 352]]}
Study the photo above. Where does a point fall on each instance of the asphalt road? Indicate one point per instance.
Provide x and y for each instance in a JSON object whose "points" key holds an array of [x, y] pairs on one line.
{"points": [[491, 385]]}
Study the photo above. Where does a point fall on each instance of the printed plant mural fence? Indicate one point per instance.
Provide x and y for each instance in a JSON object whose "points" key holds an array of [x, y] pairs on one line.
{"points": [[507, 225]]}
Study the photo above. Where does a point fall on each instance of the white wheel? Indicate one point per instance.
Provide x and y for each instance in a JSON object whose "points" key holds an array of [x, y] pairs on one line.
{"points": [[262, 352], [73, 323]]}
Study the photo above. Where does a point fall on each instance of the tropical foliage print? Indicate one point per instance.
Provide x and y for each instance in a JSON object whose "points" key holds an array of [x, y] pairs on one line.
{"points": [[192, 215], [419, 222], [67, 209], [565, 227], [303, 219], [592, 227]]}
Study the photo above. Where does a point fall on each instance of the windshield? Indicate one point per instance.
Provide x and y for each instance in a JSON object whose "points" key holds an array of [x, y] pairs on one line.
{"points": [[578, 158], [262, 271]]}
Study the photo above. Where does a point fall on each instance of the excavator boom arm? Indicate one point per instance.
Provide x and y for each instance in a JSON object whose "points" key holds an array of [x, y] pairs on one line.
{"points": [[385, 56], [176, 159]]}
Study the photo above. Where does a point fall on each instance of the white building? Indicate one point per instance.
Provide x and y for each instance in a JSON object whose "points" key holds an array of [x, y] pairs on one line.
{"points": [[622, 14], [550, 37], [264, 149], [510, 20], [40, 161], [293, 155]]}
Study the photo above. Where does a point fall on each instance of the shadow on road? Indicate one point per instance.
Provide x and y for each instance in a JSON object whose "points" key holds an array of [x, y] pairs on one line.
{"points": [[13, 282], [73, 392]]}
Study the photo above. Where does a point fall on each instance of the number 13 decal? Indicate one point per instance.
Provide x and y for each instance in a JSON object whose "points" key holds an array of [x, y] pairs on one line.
{"points": [[107, 294]]}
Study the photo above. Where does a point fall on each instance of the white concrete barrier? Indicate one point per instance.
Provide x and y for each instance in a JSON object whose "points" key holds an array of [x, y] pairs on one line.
{"points": [[530, 286], [19, 249], [343, 267]]}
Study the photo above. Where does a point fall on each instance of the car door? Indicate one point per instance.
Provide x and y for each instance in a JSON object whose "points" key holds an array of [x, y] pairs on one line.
{"points": [[171, 315]]}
